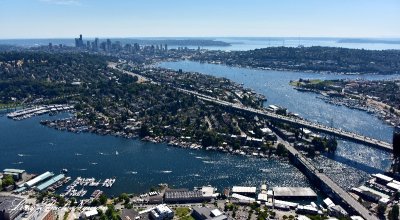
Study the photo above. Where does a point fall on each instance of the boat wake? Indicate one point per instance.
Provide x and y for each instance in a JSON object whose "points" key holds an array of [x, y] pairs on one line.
{"points": [[83, 169], [104, 154], [166, 171], [20, 162], [78, 154], [24, 155], [131, 172], [94, 163]]}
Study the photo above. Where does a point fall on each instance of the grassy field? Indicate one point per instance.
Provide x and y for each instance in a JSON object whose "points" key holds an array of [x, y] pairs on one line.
{"points": [[183, 213]]}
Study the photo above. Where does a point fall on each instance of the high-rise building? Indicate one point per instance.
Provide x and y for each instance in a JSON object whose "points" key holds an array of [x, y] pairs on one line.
{"points": [[396, 151], [96, 44], [108, 45], [396, 142], [79, 41]]}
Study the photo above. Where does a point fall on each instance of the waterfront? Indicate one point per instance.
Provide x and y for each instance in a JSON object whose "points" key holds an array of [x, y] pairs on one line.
{"points": [[275, 86], [138, 166]]}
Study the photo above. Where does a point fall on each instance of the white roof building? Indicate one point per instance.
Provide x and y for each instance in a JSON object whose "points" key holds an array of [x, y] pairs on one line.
{"points": [[244, 189]]}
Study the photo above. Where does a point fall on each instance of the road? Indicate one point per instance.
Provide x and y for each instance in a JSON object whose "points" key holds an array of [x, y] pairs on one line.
{"points": [[301, 122], [336, 189]]}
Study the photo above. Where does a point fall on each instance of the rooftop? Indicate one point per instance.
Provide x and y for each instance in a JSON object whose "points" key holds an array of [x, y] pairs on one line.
{"points": [[13, 171], [244, 189], [9, 202], [294, 192]]}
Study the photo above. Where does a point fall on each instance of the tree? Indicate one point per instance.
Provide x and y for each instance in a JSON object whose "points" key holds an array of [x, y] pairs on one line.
{"points": [[8, 180], [394, 213], [381, 210], [281, 150], [111, 213], [144, 131], [103, 199]]}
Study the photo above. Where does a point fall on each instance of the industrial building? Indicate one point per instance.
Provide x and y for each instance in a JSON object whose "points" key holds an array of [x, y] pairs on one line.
{"points": [[10, 207], [244, 190], [242, 199], [205, 213], [49, 182], [293, 193], [185, 196], [17, 174], [38, 179], [383, 179], [161, 212]]}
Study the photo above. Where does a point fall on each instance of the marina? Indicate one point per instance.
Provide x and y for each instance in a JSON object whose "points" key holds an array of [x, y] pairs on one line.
{"points": [[38, 110], [80, 182]]}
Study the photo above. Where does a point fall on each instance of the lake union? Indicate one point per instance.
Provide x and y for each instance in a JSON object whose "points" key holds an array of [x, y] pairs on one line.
{"points": [[140, 165]]}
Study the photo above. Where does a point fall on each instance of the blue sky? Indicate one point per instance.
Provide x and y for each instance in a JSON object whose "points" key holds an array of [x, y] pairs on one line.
{"points": [[199, 18]]}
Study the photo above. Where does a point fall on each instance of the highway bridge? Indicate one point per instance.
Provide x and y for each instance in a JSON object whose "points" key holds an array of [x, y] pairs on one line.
{"points": [[299, 122], [325, 183], [316, 176]]}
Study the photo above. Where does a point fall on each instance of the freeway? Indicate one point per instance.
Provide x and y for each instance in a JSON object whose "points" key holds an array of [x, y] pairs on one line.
{"points": [[336, 189], [297, 121]]}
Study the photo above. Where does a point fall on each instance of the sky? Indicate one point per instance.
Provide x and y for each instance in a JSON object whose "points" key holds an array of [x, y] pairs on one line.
{"points": [[199, 18]]}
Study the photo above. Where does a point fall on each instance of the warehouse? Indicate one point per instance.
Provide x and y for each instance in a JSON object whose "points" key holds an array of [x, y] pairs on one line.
{"points": [[294, 193], [243, 190], [184, 196], [50, 182], [17, 174], [39, 179]]}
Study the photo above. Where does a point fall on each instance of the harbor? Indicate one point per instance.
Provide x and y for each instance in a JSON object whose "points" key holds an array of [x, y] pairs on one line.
{"points": [[38, 110]]}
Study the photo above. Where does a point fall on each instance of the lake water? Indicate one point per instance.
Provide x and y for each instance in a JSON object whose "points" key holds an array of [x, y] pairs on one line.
{"points": [[138, 166]]}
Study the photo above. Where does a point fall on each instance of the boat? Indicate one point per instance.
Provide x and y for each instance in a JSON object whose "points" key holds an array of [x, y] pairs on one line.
{"points": [[116, 153], [64, 170]]}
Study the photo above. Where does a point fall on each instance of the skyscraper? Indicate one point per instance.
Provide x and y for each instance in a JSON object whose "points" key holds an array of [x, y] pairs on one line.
{"points": [[396, 142], [79, 41]]}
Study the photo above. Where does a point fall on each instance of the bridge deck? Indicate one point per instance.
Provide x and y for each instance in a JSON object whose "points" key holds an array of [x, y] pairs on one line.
{"points": [[301, 122]]}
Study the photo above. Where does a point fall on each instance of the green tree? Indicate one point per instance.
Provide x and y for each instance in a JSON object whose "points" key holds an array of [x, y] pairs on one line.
{"points": [[8, 180], [381, 210], [281, 150], [103, 199], [394, 213]]}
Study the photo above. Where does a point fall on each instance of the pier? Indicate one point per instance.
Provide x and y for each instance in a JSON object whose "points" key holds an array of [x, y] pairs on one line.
{"points": [[298, 122]]}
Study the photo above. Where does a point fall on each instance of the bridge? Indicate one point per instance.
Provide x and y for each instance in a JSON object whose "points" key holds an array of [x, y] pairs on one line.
{"points": [[297, 121], [325, 183], [328, 186]]}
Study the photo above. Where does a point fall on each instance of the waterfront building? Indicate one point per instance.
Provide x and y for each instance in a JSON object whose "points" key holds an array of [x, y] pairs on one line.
{"points": [[10, 207], [38, 179], [17, 174], [294, 193], [184, 196], [161, 212], [243, 190], [49, 182]]}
